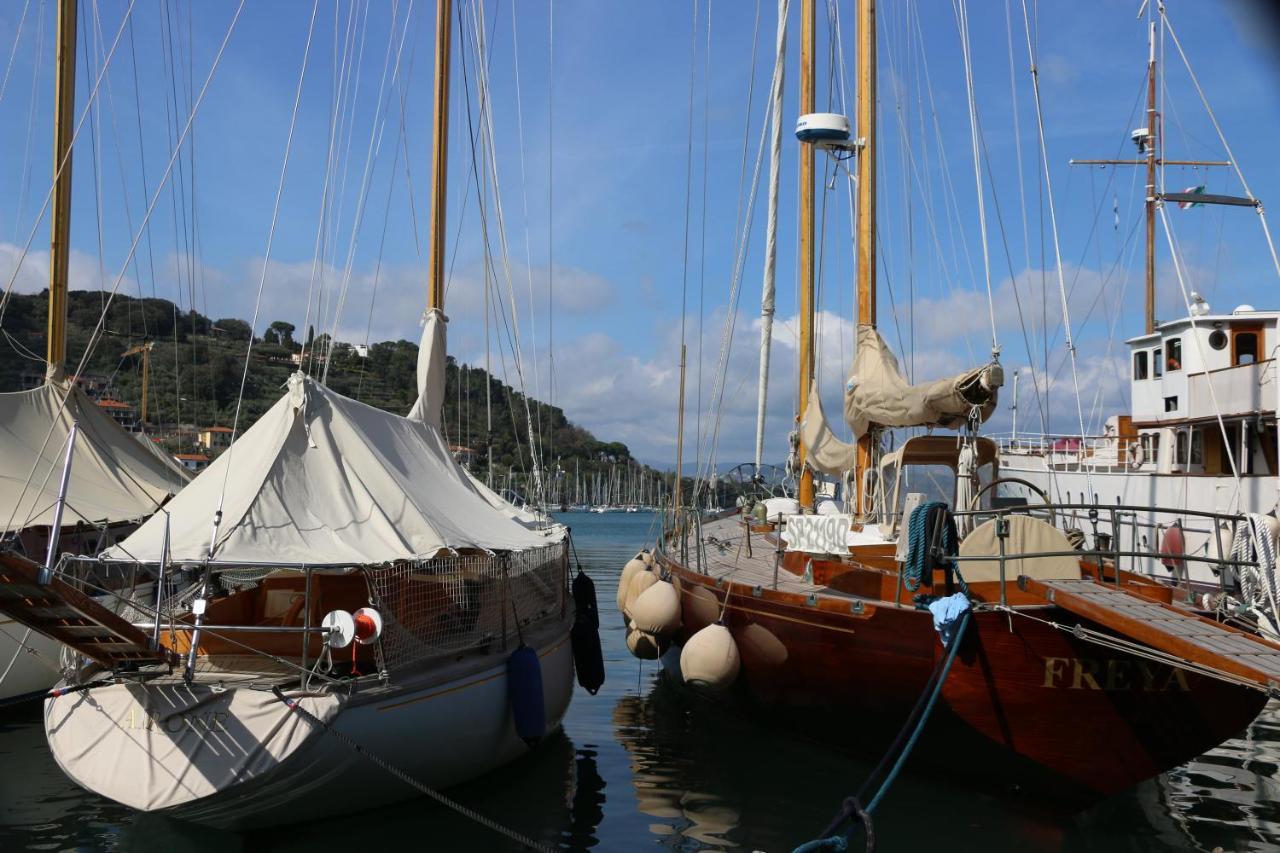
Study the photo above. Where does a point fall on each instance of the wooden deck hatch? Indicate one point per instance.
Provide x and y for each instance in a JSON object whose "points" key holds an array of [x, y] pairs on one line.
{"points": [[64, 613], [1166, 628]]}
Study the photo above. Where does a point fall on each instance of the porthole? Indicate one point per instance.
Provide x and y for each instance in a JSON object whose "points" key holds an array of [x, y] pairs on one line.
{"points": [[1218, 339]]}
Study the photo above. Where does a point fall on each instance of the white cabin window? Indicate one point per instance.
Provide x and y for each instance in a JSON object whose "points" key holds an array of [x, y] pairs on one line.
{"points": [[1180, 447], [1197, 447], [1173, 354], [1245, 348], [1157, 362], [1140, 364]]}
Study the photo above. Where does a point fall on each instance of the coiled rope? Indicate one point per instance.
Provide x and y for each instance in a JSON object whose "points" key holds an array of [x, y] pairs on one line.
{"points": [[440, 798], [923, 553]]}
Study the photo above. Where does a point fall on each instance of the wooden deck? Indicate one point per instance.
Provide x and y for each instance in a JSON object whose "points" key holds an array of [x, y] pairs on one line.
{"points": [[1167, 629]]}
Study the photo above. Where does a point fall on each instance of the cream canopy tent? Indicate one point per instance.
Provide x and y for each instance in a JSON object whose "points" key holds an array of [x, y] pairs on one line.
{"points": [[322, 480], [113, 477]]}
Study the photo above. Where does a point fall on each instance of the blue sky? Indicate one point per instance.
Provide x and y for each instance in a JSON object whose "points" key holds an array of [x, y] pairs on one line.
{"points": [[602, 118]]}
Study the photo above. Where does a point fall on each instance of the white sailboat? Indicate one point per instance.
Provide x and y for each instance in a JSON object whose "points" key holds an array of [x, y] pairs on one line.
{"points": [[336, 560]]}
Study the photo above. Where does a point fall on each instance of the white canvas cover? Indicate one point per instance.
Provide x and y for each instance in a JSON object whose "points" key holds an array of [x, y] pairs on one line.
{"points": [[321, 479], [823, 450], [878, 393], [158, 746], [431, 370], [113, 477]]}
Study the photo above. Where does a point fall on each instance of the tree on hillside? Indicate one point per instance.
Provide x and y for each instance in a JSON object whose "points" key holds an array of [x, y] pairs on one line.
{"points": [[233, 330], [280, 332]]}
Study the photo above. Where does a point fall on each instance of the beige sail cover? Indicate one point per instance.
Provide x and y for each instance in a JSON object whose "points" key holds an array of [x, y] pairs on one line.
{"points": [[431, 370], [113, 477], [158, 746], [823, 450], [878, 393], [321, 479]]}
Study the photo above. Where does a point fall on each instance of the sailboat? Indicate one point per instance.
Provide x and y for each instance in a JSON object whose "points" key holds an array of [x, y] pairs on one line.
{"points": [[1049, 667], [334, 586], [1201, 430], [72, 481]]}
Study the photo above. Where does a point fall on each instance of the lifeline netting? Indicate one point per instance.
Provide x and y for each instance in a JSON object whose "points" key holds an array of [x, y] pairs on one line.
{"points": [[456, 604]]}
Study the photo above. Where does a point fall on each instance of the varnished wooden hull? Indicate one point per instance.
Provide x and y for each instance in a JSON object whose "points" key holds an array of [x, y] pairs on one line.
{"points": [[1027, 707]]}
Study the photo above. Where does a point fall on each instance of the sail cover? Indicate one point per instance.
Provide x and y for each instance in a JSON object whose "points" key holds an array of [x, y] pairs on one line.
{"points": [[878, 393], [823, 450], [323, 480], [113, 477]]}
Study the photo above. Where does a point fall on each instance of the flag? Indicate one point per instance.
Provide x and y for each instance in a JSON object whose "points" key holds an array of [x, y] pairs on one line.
{"points": [[1183, 205]]}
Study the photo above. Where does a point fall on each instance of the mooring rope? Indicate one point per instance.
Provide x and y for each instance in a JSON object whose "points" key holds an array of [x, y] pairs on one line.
{"points": [[456, 806], [851, 809]]}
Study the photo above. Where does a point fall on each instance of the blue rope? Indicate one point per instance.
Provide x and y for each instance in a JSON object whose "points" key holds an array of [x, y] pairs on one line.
{"points": [[841, 842], [919, 564]]}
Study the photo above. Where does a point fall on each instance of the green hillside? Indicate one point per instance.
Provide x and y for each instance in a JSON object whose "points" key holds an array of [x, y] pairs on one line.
{"points": [[197, 364]]}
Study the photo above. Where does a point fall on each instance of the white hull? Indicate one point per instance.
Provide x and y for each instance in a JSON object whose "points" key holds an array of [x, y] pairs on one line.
{"points": [[1109, 485], [442, 728], [31, 664]]}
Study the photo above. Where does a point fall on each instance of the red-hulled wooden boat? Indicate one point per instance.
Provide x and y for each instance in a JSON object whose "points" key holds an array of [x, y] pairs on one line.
{"points": [[1027, 706]]}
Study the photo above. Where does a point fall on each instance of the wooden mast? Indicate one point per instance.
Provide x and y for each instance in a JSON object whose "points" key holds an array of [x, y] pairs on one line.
{"points": [[806, 240], [439, 158], [64, 114], [865, 222]]}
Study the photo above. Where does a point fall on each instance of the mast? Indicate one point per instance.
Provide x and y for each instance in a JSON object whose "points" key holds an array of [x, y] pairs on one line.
{"points": [[865, 221], [1152, 142], [59, 242], [439, 159], [806, 239], [771, 237]]}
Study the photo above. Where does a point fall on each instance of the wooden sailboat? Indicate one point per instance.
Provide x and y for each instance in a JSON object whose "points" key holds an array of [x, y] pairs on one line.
{"points": [[1075, 679], [72, 481], [334, 571]]}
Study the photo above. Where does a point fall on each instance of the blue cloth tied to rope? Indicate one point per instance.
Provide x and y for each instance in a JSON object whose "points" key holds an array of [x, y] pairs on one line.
{"points": [[946, 613]]}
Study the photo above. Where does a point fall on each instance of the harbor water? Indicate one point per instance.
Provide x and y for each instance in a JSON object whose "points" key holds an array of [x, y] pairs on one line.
{"points": [[644, 764]]}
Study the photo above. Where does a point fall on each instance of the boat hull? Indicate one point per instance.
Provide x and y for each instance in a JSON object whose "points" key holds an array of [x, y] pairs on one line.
{"points": [[1026, 708], [27, 667], [442, 731]]}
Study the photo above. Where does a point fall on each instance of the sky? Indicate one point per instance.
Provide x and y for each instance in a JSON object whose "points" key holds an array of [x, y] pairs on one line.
{"points": [[630, 203]]}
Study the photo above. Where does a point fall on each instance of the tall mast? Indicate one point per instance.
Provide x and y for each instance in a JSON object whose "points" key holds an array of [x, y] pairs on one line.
{"points": [[439, 158], [1152, 143], [806, 238], [59, 246], [865, 221]]}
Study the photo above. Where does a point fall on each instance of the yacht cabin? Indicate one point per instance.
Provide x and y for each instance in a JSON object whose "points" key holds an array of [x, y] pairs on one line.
{"points": [[1189, 372]]}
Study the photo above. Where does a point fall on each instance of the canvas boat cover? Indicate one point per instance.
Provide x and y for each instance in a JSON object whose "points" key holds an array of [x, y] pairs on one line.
{"points": [[824, 451], [113, 477], [157, 746], [323, 480], [878, 393]]}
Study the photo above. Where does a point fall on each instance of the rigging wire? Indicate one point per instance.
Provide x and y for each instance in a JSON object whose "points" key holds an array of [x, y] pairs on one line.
{"points": [[1053, 220]]}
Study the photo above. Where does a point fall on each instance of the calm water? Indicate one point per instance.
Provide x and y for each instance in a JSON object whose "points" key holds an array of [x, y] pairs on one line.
{"points": [[642, 764]]}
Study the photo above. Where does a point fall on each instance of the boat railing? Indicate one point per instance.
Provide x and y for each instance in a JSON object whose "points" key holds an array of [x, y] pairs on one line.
{"points": [[442, 606], [1106, 542]]}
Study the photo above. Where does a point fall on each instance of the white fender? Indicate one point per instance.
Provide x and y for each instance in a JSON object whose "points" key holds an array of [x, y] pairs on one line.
{"points": [[709, 660], [657, 610], [629, 571], [642, 645], [640, 581]]}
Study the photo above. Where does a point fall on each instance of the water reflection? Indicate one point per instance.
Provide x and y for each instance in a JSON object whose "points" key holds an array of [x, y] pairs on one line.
{"points": [[648, 764]]}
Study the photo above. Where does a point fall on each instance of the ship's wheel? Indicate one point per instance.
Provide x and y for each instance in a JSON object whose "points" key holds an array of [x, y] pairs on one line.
{"points": [[976, 500]]}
